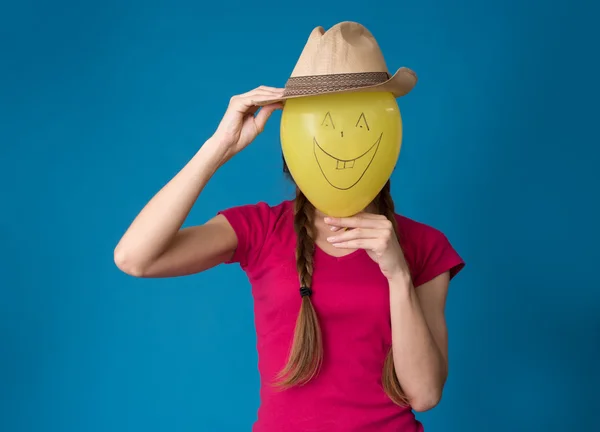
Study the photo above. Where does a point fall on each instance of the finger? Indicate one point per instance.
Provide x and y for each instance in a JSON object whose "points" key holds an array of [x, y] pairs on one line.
{"points": [[247, 102], [362, 233], [240, 104], [273, 91], [262, 96], [264, 100], [371, 216], [258, 94], [357, 222], [263, 115], [252, 110], [367, 244], [244, 105]]}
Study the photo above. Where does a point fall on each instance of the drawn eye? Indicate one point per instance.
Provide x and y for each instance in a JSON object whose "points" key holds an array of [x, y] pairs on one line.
{"points": [[327, 121], [362, 122]]}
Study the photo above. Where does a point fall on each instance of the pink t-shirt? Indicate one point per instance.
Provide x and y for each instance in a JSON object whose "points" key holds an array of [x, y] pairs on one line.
{"points": [[351, 298]]}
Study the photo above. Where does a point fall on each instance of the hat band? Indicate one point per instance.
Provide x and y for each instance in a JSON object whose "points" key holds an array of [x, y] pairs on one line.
{"points": [[318, 84]]}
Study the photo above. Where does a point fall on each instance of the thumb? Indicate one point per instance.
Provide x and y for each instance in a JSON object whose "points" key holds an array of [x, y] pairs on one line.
{"points": [[263, 115]]}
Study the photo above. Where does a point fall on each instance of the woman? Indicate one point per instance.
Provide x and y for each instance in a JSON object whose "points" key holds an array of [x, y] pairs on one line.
{"points": [[369, 345]]}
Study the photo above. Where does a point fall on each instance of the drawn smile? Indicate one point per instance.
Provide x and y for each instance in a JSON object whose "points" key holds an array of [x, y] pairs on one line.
{"points": [[343, 174]]}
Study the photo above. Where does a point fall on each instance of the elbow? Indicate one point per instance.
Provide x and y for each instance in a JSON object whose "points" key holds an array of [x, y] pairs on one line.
{"points": [[428, 394], [427, 401], [126, 265]]}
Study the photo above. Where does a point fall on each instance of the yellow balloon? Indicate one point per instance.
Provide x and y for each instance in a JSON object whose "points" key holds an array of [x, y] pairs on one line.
{"points": [[341, 149]]}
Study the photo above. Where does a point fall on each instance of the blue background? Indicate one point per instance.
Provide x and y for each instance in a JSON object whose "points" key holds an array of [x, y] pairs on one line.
{"points": [[101, 103]]}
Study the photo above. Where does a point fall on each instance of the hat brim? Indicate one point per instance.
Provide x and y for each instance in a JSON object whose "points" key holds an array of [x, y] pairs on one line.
{"points": [[400, 84]]}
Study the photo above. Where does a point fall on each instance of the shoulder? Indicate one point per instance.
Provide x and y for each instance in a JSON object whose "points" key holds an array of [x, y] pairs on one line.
{"points": [[260, 213], [415, 231], [427, 250], [254, 226]]}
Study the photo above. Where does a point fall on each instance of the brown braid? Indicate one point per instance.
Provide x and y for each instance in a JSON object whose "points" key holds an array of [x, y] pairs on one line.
{"points": [[306, 354], [390, 382]]}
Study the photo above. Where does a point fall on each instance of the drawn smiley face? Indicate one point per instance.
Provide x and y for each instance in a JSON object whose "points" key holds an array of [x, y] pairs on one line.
{"points": [[342, 148], [341, 169]]}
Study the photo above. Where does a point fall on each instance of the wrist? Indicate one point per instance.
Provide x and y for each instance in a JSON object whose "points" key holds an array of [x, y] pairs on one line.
{"points": [[220, 139], [214, 151], [400, 282]]}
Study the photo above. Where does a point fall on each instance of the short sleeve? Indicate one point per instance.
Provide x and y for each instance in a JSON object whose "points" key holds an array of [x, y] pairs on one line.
{"points": [[251, 225], [435, 257]]}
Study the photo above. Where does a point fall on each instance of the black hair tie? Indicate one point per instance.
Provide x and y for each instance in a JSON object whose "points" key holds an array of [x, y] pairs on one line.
{"points": [[305, 291]]}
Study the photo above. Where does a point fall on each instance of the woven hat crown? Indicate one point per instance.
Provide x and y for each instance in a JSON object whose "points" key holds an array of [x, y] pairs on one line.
{"points": [[347, 47]]}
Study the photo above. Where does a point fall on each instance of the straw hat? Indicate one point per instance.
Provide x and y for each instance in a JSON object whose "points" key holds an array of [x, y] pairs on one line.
{"points": [[345, 58]]}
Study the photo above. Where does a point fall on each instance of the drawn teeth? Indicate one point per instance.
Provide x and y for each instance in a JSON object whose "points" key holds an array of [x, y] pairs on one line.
{"points": [[330, 165], [345, 164]]}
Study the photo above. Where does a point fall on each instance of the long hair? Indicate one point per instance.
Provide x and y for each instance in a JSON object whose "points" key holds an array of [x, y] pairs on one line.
{"points": [[306, 355]]}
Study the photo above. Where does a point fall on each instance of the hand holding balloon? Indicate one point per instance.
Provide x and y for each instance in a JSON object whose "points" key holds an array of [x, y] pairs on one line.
{"points": [[375, 234], [241, 124]]}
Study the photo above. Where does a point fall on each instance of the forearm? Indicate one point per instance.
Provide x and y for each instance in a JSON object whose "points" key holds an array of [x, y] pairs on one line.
{"points": [[420, 366], [155, 226]]}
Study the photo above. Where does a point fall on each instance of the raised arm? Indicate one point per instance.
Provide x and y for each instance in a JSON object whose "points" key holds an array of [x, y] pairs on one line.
{"points": [[155, 245]]}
